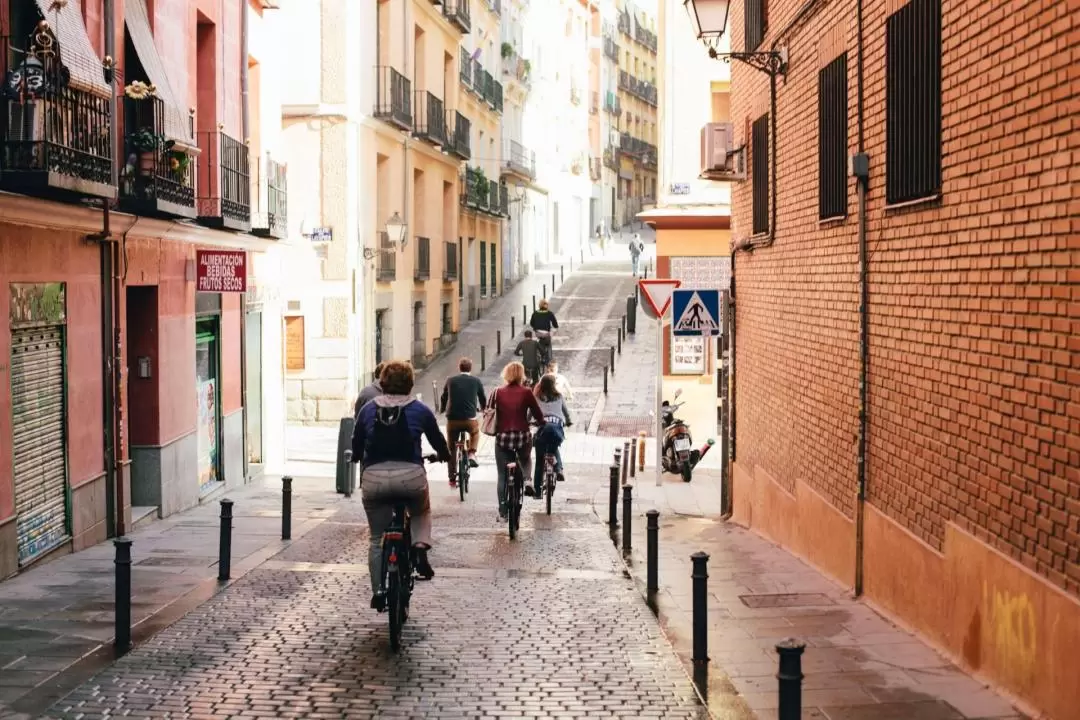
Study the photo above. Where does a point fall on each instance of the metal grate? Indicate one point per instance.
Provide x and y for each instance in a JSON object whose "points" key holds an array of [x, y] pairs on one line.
{"points": [[832, 139], [913, 102], [625, 426], [760, 151]]}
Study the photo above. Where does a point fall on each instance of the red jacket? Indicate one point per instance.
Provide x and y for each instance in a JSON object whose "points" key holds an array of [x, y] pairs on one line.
{"points": [[513, 404]]}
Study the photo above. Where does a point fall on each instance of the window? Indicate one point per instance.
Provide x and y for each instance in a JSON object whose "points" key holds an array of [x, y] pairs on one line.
{"points": [[493, 278], [294, 342], [759, 148], [483, 268], [913, 102], [447, 319], [755, 16], [832, 139]]}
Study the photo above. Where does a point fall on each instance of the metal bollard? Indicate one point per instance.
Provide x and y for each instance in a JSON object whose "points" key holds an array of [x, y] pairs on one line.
{"points": [[122, 633], [513, 330], [605, 379], [631, 313], [525, 314], [633, 456], [498, 343], [225, 542], [641, 451], [625, 460], [350, 475], [700, 577], [627, 516], [624, 324], [652, 554], [286, 501], [789, 678], [618, 335], [553, 282], [562, 275], [612, 360], [543, 293], [483, 358], [613, 497], [534, 303]]}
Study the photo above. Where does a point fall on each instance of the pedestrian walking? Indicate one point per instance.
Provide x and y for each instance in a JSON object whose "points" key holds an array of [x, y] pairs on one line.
{"points": [[636, 248], [462, 397]]}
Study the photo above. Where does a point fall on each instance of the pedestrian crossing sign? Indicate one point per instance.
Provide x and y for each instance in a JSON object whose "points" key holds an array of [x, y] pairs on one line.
{"points": [[696, 313]]}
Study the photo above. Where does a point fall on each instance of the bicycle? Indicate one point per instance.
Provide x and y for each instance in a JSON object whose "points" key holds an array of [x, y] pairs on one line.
{"points": [[398, 579], [550, 478], [515, 489], [544, 338], [462, 464]]}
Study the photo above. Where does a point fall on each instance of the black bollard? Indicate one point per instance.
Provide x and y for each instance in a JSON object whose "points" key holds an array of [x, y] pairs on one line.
{"points": [[562, 276], [613, 497], [122, 633], [513, 330], [624, 324], [652, 554], [543, 294], [605, 379], [789, 678], [534, 303], [350, 474], [525, 314], [627, 516], [553, 283], [483, 358], [612, 360], [225, 542], [631, 313], [618, 335], [633, 456], [498, 343], [286, 501], [700, 577], [625, 461]]}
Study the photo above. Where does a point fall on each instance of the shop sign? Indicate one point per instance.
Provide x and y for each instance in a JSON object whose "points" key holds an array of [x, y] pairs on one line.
{"points": [[221, 271]]}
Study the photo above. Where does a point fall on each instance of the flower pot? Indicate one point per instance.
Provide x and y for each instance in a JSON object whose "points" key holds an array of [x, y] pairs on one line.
{"points": [[146, 163]]}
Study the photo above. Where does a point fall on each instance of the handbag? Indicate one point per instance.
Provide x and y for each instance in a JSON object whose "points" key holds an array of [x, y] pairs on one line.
{"points": [[489, 421]]}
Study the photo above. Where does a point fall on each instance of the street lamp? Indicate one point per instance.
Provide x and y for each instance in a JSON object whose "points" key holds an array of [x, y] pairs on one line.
{"points": [[709, 18], [395, 231]]}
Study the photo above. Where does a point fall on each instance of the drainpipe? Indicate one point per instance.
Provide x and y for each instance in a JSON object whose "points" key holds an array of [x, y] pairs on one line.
{"points": [[862, 177], [245, 129]]}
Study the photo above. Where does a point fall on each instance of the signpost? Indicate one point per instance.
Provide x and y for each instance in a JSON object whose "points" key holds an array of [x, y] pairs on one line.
{"points": [[657, 294]]}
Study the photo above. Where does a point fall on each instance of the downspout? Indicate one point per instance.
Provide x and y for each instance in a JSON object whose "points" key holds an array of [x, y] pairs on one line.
{"points": [[862, 180], [245, 129]]}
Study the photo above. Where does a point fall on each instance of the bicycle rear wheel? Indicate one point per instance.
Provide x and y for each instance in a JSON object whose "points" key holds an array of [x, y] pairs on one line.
{"points": [[514, 509], [395, 607], [549, 490], [463, 475]]}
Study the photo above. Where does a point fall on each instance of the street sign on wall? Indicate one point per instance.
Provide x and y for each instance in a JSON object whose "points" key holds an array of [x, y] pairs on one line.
{"points": [[221, 271]]}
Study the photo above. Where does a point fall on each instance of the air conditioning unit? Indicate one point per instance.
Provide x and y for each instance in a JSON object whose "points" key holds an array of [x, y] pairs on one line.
{"points": [[720, 160]]}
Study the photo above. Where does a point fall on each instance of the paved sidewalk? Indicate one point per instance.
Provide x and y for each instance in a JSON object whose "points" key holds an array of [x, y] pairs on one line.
{"points": [[62, 613], [857, 664]]}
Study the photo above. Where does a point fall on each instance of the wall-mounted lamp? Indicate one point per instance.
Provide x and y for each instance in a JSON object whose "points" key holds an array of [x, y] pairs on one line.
{"points": [[709, 18], [396, 230]]}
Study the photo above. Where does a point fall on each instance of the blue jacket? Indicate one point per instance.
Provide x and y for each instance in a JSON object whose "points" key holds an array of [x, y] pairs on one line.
{"points": [[420, 420], [550, 435]]}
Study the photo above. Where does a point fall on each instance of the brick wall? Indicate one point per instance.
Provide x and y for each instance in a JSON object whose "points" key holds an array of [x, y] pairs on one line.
{"points": [[974, 398]]}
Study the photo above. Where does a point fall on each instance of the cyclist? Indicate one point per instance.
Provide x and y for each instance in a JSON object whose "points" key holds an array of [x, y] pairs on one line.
{"points": [[551, 435], [543, 322], [386, 439], [460, 396], [531, 355], [562, 384], [514, 404]]}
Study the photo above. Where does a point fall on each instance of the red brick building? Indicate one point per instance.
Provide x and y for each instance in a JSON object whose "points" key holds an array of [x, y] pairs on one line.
{"points": [[965, 524], [120, 385]]}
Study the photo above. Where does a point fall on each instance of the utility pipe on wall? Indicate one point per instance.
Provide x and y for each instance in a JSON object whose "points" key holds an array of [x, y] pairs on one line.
{"points": [[245, 130], [864, 321]]}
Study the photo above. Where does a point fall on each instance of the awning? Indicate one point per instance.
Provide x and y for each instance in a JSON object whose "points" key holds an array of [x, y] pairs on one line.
{"points": [[137, 20], [76, 53]]}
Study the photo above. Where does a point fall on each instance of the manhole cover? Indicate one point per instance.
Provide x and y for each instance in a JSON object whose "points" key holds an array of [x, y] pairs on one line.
{"points": [[177, 561], [782, 600]]}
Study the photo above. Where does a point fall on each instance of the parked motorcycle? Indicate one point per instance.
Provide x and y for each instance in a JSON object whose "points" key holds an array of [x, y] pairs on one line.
{"points": [[679, 457]]}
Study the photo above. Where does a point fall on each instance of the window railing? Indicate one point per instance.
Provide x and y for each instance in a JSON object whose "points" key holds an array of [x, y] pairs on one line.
{"points": [[465, 72], [224, 187], [430, 118], [624, 23], [450, 268], [393, 97], [386, 266], [611, 48], [422, 271], [504, 199], [519, 159], [457, 12], [517, 67], [460, 140], [161, 180], [270, 213], [474, 194], [493, 198], [611, 157]]}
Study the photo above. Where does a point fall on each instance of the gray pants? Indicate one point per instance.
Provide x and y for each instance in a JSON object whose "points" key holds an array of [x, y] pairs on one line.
{"points": [[383, 485]]}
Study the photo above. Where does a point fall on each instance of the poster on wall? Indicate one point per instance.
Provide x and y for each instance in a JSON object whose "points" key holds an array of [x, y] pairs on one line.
{"points": [[688, 354], [207, 432]]}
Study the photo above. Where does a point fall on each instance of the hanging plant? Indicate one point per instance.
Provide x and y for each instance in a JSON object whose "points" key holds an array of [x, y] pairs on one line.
{"points": [[480, 183], [507, 50]]}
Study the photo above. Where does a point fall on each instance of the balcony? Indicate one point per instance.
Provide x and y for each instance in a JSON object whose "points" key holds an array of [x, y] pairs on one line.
{"points": [[612, 104], [393, 98], [458, 135], [494, 204], [496, 100], [595, 172], [611, 157], [270, 206], [386, 264], [519, 160], [430, 118], [518, 68], [55, 138], [611, 48], [224, 187], [422, 269], [450, 268], [457, 12], [504, 199], [475, 189], [645, 37], [625, 24], [158, 180]]}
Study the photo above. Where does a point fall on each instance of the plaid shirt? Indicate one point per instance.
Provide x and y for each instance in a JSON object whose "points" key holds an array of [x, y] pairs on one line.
{"points": [[513, 439]]}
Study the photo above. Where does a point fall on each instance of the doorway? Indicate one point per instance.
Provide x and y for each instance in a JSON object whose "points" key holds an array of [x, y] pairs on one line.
{"points": [[208, 402]]}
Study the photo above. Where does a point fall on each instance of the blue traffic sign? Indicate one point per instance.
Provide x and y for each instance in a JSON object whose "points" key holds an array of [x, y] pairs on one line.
{"points": [[695, 313]]}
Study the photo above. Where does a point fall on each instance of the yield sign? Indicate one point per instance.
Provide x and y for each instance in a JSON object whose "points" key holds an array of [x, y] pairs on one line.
{"points": [[657, 293]]}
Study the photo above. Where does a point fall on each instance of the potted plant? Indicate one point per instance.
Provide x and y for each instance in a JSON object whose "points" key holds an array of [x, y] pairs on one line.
{"points": [[177, 162], [480, 184], [147, 145], [507, 50]]}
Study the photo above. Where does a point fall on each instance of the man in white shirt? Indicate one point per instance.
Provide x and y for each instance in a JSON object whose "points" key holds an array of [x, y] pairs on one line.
{"points": [[561, 383]]}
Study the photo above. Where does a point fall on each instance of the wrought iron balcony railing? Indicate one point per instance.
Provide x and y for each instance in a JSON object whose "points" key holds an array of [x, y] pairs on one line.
{"points": [[475, 189], [493, 198], [466, 70], [422, 269], [157, 179], [224, 187], [270, 208], [459, 132], [450, 268], [393, 97], [386, 265], [645, 37], [611, 157], [518, 68], [625, 24], [430, 118], [611, 48], [519, 159], [504, 199], [55, 138], [457, 12]]}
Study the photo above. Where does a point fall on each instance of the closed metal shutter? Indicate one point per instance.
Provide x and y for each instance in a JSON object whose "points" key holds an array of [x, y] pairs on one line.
{"points": [[37, 413]]}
